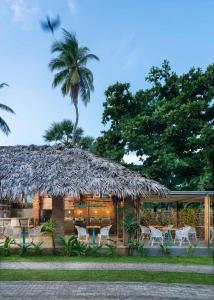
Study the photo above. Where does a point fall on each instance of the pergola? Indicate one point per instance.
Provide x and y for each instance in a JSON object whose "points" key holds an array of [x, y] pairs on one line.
{"points": [[204, 197]]}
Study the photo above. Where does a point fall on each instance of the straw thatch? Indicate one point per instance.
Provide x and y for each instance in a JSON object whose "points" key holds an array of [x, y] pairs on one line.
{"points": [[60, 170]]}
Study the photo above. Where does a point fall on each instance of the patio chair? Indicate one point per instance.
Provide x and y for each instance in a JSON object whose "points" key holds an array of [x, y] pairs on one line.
{"points": [[82, 232], [191, 231], [34, 232], [211, 234], [156, 235], [145, 232], [104, 232], [182, 235], [10, 232]]}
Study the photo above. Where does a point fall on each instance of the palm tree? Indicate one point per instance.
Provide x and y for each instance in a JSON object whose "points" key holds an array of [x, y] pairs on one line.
{"points": [[62, 132], [3, 125], [76, 79]]}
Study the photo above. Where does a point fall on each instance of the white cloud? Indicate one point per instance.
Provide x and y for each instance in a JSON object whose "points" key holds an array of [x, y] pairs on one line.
{"points": [[72, 4], [22, 10]]}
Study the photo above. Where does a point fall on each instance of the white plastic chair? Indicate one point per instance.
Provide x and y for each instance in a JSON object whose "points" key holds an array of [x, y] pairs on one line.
{"points": [[82, 232], [182, 235], [191, 231], [104, 232], [211, 234], [35, 232], [145, 232], [156, 235], [10, 232]]}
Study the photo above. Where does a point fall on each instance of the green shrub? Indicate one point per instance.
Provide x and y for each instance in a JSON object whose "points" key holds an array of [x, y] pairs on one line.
{"points": [[135, 245], [72, 246], [6, 247], [37, 248], [131, 226], [165, 249]]}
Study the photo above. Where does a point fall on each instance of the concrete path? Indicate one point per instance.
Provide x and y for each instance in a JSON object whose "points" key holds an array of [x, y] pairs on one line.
{"points": [[25, 290], [107, 266]]}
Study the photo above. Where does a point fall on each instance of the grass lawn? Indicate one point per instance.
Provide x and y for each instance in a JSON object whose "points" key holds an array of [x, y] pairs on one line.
{"points": [[103, 275], [133, 259]]}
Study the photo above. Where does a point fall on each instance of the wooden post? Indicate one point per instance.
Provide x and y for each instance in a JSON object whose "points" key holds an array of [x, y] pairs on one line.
{"points": [[58, 214], [123, 220], [207, 220], [36, 209]]}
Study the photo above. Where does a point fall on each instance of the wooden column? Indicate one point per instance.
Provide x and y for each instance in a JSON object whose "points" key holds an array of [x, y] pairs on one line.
{"points": [[125, 235], [207, 220], [58, 214], [36, 209]]}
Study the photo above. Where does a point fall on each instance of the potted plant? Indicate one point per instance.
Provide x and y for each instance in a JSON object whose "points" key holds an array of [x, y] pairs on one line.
{"points": [[50, 228], [131, 226]]}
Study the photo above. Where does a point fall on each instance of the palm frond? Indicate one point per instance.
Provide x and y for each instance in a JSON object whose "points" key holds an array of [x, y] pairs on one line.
{"points": [[6, 108], [88, 57], [4, 127], [57, 47], [60, 77], [3, 84], [57, 64]]}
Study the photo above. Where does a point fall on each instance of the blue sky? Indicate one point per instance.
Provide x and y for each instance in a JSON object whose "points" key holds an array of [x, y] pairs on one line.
{"points": [[129, 36]]}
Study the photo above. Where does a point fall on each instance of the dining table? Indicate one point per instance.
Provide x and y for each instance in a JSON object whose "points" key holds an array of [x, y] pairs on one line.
{"points": [[169, 229], [93, 227]]}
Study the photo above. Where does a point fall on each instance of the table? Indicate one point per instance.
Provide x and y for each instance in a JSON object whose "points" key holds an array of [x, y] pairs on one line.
{"points": [[93, 227], [168, 229]]}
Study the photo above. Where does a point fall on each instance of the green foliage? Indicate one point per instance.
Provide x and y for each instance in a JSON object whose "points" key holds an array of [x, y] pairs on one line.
{"points": [[36, 248], [23, 248], [93, 250], [72, 246], [190, 250], [62, 132], [3, 125], [135, 245], [165, 249], [131, 226], [151, 217], [111, 245], [171, 123], [189, 217], [50, 228], [6, 247], [71, 72]]}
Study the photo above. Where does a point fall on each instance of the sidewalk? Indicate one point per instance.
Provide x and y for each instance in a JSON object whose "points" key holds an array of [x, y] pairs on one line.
{"points": [[107, 266], [19, 290]]}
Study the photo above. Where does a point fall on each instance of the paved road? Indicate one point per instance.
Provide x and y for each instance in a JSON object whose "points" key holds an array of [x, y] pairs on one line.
{"points": [[107, 266], [38, 290]]}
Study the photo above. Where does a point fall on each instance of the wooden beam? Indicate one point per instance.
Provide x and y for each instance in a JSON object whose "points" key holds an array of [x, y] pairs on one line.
{"points": [[207, 221], [36, 209]]}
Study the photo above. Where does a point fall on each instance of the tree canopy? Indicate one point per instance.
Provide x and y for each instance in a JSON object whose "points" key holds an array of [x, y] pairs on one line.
{"points": [[62, 132], [171, 122]]}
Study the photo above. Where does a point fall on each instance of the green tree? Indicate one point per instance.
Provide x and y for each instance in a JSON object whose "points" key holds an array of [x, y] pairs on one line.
{"points": [[118, 107], [171, 122], [62, 132], [3, 125], [71, 71]]}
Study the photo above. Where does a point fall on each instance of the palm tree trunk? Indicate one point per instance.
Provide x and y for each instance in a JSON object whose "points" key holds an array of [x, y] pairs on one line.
{"points": [[76, 123]]}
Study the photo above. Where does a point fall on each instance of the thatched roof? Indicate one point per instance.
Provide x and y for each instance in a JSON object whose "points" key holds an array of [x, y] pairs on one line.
{"points": [[61, 170]]}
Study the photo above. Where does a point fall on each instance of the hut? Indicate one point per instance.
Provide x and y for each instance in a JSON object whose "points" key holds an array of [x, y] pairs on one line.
{"points": [[62, 178]]}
